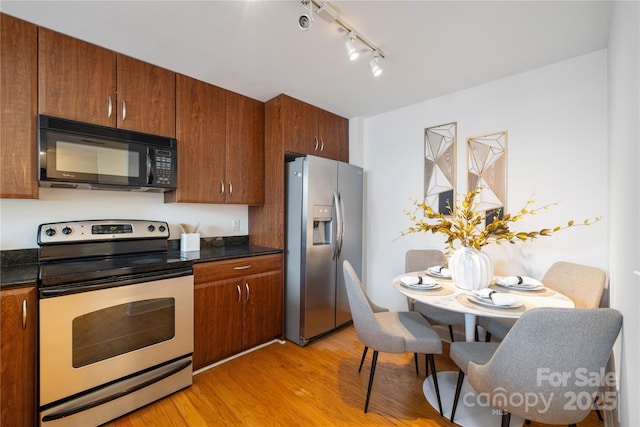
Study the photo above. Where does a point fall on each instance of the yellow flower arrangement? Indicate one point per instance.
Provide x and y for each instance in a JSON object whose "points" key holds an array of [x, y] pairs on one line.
{"points": [[464, 224]]}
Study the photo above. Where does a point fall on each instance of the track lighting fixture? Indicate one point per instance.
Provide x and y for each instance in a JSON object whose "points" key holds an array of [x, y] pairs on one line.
{"points": [[351, 48], [331, 13], [376, 70]]}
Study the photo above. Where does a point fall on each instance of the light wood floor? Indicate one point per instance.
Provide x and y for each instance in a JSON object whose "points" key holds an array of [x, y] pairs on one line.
{"points": [[316, 385]]}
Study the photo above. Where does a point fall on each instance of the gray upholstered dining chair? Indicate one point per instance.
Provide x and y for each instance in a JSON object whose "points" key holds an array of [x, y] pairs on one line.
{"points": [[537, 357], [583, 284], [421, 259], [390, 331]]}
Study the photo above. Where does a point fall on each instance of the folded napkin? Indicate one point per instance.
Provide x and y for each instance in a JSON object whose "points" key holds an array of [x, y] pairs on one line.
{"points": [[439, 270], [417, 280], [519, 281], [497, 298]]}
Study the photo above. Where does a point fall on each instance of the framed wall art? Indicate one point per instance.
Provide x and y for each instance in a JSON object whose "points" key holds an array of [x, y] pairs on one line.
{"points": [[487, 168], [440, 167]]}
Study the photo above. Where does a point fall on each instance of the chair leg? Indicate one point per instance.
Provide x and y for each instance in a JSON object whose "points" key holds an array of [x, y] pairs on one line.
{"points": [[598, 413], [364, 354], [457, 395], [451, 333], [435, 380], [487, 337], [475, 334], [506, 418], [373, 371], [415, 359], [426, 362]]}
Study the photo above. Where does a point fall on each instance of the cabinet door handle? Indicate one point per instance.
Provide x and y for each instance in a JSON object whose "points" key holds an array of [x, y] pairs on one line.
{"points": [[316, 149], [24, 314], [246, 286], [222, 188], [124, 110], [109, 107], [239, 292], [230, 188], [243, 267], [321, 144]]}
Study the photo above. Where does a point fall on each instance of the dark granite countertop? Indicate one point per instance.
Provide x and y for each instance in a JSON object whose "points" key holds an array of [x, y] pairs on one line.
{"points": [[19, 268], [226, 252]]}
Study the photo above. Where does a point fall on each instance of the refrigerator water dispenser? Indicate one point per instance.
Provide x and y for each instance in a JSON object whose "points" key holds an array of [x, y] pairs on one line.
{"points": [[322, 225]]}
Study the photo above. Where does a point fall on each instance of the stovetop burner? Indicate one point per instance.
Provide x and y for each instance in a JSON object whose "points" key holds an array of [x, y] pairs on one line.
{"points": [[84, 251], [87, 269]]}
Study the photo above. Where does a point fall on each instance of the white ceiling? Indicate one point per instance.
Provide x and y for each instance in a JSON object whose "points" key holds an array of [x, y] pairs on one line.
{"points": [[256, 48]]}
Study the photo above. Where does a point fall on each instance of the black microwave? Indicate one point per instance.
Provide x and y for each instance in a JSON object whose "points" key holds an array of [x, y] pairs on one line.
{"points": [[88, 156]]}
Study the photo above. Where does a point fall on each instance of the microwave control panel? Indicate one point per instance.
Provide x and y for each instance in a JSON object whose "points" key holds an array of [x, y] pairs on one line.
{"points": [[164, 166]]}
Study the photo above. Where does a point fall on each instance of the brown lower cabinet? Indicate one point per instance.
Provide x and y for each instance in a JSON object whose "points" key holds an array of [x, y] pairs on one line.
{"points": [[18, 356], [238, 305]]}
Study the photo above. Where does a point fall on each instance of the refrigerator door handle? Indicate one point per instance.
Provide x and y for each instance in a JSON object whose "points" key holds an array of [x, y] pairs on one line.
{"points": [[339, 225], [336, 231]]}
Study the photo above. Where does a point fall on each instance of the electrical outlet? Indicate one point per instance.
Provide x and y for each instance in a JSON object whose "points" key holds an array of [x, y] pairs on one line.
{"points": [[235, 225]]}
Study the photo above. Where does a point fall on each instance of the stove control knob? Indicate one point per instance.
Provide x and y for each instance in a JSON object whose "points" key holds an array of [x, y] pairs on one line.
{"points": [[67, 230], [162, 228], [50, 232], [151, 228]]}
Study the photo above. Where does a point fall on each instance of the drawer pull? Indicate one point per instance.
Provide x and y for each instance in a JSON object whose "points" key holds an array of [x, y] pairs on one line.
{"points": [[243, 267]]}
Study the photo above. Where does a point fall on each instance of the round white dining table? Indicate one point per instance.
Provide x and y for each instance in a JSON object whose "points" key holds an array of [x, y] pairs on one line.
{"points": [[449, 297]]}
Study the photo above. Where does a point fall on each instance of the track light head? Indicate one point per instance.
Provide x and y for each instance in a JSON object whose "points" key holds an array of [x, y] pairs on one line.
{"points": [[351, 48], [304, 22], [376, 70]]}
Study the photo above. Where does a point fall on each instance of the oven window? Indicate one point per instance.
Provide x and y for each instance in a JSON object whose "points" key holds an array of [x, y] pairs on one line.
{"points": [[122, 328]]}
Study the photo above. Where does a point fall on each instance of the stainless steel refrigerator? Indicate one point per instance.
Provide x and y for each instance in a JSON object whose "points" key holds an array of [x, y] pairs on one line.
{"points": [[324, 227]]}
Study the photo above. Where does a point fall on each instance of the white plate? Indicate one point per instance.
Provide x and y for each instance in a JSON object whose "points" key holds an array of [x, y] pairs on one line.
{"points": [[437, 275], [422, 287], [489, 303]]}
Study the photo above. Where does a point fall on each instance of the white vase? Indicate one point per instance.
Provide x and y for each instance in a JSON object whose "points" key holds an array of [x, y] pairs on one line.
{"points": [[470, 269]]}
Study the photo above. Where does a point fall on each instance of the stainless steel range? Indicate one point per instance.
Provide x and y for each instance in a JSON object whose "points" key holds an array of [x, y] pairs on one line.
{"points": [[116, 319]]}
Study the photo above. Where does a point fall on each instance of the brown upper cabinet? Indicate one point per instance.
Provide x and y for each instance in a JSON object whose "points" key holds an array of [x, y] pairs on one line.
{"points": [[84, 82], [311, 130], [244, 150], [18, 108], [200, 131], [220, 145]]}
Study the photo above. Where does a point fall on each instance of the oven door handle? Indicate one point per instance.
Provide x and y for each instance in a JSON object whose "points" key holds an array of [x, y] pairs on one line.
{"points": [[101, 401], [110, 282]]}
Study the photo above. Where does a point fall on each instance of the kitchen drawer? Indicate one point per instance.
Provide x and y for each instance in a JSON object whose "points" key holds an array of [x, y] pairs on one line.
{"points": [[233, 268]]}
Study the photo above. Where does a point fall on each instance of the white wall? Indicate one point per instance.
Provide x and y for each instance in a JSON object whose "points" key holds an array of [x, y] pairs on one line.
{"points": [[556, 117], [624, 197], [20, 218]]}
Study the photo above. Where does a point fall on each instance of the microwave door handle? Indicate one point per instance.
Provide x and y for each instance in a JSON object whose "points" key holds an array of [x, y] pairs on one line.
{"points": [[149, 171]]}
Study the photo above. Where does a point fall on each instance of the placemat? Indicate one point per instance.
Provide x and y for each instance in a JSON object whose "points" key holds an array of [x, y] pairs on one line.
{"points": [[462, 299], [544, 292]]}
